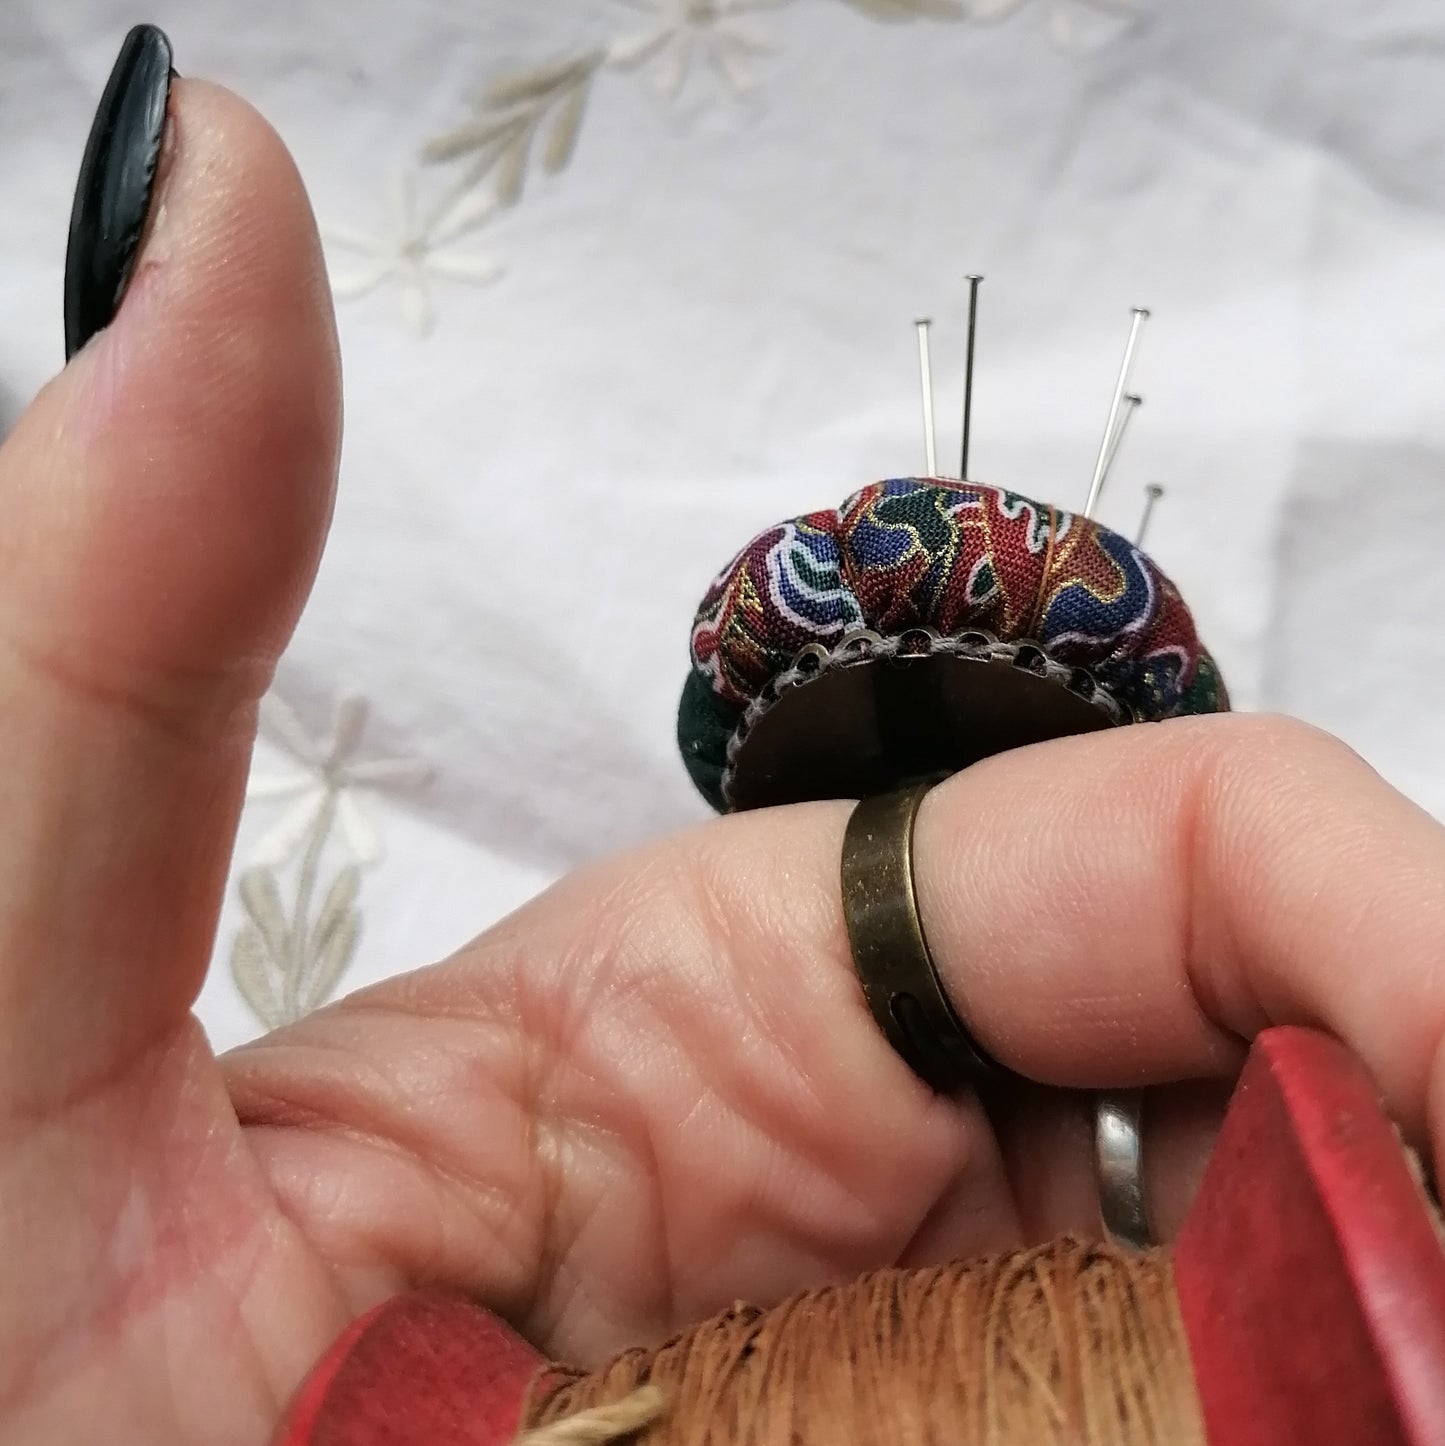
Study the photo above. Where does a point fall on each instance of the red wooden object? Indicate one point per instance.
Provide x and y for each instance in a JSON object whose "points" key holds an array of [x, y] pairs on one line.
{"points": [[420, 1370], [1310, 1272], [1311, 1278]]}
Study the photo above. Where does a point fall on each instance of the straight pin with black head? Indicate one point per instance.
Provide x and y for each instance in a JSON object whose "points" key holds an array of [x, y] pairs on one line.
{"points": [[1152, 493], [1132, 402], [973, 282]]}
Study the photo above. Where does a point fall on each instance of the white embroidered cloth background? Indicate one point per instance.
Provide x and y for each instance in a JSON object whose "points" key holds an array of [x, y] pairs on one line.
{"points": [[622, 283]]}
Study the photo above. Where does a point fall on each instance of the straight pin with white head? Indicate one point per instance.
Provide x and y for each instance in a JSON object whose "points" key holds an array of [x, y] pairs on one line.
{"points": [[1121, 389], [1152, 493], [925, 378], [973, 282]]}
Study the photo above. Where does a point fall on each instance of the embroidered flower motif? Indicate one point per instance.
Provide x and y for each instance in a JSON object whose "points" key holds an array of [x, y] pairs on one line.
{"points": [[331, 779], [300, 934], [413, 252], [717, 31], [529, 120]]}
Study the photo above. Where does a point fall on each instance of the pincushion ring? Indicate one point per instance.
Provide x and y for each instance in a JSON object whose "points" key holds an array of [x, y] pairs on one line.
{"points": [[890, 953]]}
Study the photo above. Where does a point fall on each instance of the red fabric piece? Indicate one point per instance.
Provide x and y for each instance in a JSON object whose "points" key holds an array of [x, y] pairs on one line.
{"points": [[421, 1370], [1311, 1277]]}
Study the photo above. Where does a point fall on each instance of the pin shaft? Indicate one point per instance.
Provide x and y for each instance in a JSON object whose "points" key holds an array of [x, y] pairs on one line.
{"points": [[1152, 493], [1101, 466], [973, 282], [1132, 402], [925, 378]]}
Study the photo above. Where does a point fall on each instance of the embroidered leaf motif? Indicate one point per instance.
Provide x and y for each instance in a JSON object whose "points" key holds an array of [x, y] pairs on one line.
{"points": [[510, 113], [251, 968], [472, 135], [262, 898], [893, 12], [540, 82], [562, 140], [335, 907], [547, 102], [332, 960], [511, 177]]}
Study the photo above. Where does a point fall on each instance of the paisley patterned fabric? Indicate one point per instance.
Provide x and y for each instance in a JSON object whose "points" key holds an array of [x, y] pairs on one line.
{"points": [[951, 556]]}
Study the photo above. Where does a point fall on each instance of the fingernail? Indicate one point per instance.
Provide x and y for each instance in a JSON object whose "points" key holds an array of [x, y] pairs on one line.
{"points": [[113, 193]]}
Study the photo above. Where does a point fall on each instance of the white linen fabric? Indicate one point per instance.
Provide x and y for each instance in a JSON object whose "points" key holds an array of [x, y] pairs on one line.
{"points": [[623, 281]]}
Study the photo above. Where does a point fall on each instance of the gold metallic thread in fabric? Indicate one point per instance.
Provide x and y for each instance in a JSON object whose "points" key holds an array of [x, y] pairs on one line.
{"points": [[1069, 1344], [890, 952]]}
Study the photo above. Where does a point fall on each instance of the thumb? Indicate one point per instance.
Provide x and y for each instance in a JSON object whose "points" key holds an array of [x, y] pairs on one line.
{"points": [[164, 503]]}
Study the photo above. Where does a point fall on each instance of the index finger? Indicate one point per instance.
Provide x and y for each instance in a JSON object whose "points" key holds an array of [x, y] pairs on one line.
{"points": [[1130, 906]]}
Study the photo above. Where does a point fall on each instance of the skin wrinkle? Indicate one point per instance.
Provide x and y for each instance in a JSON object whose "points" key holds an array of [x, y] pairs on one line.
{"points": [[231, 693], [543, 1111], [364, 1268], [727, 927], [659, 1291], [342, 1103], [1195, 822], [1234, 1001], [631, 1144], [240, 1337], [723, 1093], [1226, 995], [275, 1393], [726, 920], [392, 1132], [166, 1236], [533, 1103], [724, 923], [89, 1088], [769, 1217], [551, 1057], [804, 1147]]}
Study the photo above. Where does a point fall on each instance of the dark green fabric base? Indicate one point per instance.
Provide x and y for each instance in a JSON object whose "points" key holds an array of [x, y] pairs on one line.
{"points": [[704, 724]]}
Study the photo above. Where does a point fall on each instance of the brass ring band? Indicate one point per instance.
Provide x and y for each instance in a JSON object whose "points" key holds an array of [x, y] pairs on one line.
{"points": [[890, 953]]}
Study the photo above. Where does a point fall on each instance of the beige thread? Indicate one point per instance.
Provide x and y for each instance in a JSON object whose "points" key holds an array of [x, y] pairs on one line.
{"points": [[1070, 1344], [598, 1425]]}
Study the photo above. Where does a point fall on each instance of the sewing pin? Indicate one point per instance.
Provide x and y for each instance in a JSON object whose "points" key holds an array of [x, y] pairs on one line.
{"points": [[1132, 402], [973, 282], [925, 377], [1152, 493], [1141, 315]]}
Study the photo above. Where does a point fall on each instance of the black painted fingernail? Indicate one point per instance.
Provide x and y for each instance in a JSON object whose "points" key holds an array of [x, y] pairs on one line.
{"points": [[113, 193]]}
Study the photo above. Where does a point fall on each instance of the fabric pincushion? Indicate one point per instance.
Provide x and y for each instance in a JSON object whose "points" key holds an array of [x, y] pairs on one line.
{"points": [[956, 558]]}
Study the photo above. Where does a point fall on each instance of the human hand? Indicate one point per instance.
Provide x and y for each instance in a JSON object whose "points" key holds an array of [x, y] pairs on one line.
{"points": [[654, 1089]]}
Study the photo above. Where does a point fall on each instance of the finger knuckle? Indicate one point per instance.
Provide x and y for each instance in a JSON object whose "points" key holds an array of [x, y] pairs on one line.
{"points": [[1271, 744]]}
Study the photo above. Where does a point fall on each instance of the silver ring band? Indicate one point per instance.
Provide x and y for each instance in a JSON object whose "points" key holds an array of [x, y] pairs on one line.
{"points": [[1119, 1157]]}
